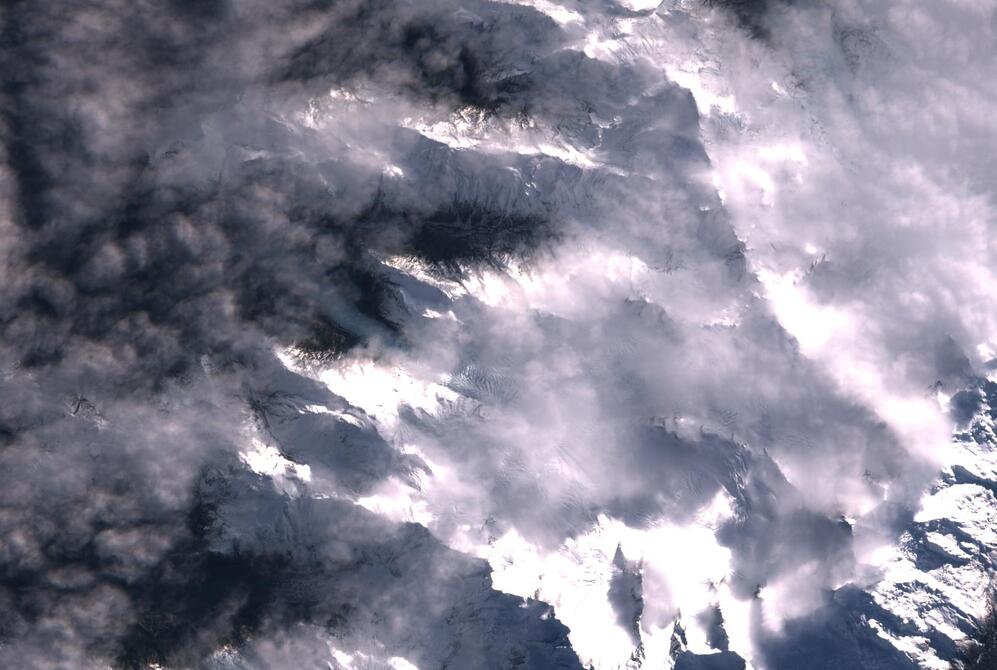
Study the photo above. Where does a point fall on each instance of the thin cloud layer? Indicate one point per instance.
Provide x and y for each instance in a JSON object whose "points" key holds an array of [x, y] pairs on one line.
{"points": [[487, 334]]}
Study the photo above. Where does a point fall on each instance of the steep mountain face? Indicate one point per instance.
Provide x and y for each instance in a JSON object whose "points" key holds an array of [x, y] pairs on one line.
{"points": [[928, 596], [479, 334]]}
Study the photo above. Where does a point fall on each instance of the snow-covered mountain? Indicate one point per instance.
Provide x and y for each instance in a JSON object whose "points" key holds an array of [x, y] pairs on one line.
{"points": [[497, 334]]}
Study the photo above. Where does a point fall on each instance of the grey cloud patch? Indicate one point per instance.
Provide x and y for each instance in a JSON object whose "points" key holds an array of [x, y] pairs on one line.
{"points": [[464, 53], [521, 210], [165, 231], [752, 15], [775, 532], [96, 495]]}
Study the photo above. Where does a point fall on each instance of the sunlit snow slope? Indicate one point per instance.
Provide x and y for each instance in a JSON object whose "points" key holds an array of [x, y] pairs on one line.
{"points": [[483, 334]]}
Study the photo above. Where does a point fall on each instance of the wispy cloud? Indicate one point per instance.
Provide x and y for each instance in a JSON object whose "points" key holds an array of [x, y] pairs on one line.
{"points": [[485, 334]]}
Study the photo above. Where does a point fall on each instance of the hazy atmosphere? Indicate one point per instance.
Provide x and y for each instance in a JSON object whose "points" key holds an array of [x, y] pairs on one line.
{"points": [[473, 334]]}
